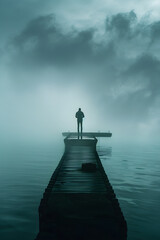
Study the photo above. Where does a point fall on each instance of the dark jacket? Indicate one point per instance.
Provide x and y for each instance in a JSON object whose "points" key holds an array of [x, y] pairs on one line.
{"points": [[79, 115]]}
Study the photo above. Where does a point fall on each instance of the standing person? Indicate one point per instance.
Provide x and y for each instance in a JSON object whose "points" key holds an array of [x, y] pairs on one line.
{"points": [[79, 115]]}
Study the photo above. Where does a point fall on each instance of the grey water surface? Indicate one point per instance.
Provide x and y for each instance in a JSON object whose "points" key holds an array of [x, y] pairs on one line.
{"points": [[133, 171]]}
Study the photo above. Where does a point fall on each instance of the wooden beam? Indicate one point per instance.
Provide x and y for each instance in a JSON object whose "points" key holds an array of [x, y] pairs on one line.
{"points": [[88, 134]]}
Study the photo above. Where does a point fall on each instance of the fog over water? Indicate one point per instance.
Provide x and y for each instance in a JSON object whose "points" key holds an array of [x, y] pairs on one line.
{"points": [[58, 56]]}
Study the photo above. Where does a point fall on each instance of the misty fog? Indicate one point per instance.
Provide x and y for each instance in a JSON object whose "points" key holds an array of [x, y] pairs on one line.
{"points": [[106, 63]]}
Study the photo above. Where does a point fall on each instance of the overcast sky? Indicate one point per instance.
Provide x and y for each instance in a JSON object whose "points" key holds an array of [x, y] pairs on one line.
{"points": [[102, 56]]}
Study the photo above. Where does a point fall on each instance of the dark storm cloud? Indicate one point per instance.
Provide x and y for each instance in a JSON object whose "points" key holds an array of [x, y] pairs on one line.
{"points": [[121, 23], [146, 66], [155, 31], [147, 69], [142, 82], [122, 64], [43, 41]]}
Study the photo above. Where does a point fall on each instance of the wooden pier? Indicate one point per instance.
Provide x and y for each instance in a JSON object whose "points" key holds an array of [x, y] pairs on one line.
{"points": [[79, 202]]}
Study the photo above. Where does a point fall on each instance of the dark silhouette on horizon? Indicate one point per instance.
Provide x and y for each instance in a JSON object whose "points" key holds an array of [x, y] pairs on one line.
{"points": [[79, 115]]}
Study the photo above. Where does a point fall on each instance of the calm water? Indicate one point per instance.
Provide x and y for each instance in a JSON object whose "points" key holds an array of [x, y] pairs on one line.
{"points": [[133, 170]]}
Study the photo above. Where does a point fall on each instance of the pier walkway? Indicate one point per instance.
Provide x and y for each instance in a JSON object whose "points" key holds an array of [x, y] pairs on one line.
{"points": [[79, 202]]}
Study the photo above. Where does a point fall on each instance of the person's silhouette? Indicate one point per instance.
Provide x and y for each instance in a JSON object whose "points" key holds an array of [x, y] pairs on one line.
{"points": [[79, 115]]}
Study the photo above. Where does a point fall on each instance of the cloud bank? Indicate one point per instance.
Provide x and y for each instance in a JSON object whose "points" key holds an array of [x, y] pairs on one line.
{"points": [[117, 65]]}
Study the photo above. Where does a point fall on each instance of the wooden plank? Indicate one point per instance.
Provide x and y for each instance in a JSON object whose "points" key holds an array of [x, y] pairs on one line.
{"points": [[88, 134]]}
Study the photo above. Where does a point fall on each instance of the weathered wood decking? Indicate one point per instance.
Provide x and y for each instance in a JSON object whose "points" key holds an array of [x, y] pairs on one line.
{"points": [[80, 203]]}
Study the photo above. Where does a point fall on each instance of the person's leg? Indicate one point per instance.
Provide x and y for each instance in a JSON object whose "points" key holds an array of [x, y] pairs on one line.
{"points": [[78, 128], [81, 129]]}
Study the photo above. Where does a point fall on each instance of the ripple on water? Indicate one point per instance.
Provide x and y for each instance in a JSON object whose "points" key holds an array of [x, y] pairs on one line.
{"points": [[134, 173]]}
